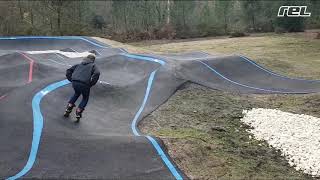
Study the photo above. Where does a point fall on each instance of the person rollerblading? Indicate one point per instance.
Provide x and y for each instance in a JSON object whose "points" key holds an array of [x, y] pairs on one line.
{"points": [[83, 76]]}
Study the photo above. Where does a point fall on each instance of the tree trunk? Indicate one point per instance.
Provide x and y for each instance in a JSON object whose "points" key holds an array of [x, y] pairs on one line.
{"points": [[168, 12], [225, 24], [20, 10], [31, 17], [125, 19], [59, 4], [80, 12], [183, 16], [158, 12], [253, 22]]}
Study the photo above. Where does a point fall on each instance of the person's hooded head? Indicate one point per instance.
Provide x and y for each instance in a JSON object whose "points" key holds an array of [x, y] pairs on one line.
{"points": [[89, 59]]}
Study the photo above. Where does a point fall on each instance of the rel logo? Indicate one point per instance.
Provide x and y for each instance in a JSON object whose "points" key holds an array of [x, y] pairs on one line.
{"points": [[293, 11]]}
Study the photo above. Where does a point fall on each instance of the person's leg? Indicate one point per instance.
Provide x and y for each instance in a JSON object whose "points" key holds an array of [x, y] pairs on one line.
{"points": [[77, 93], [85, 98], [72, 100]]}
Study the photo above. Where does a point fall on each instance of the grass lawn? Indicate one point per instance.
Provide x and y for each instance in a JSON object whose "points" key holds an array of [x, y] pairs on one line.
{"points": [[201, 127]]}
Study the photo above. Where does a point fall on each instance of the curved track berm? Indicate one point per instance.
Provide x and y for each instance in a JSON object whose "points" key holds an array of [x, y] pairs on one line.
{"points": [[37, 142]]}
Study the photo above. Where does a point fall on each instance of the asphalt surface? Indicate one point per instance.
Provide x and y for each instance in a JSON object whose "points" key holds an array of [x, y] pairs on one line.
{"points": [[38, 142]]}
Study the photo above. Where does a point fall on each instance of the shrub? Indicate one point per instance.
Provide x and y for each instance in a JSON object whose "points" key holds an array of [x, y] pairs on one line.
{"points": [[237, 34], [279, 30], [318, 35]]}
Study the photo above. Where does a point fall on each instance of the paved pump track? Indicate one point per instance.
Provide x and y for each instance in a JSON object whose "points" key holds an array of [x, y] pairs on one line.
{"points": [[37, 142]]}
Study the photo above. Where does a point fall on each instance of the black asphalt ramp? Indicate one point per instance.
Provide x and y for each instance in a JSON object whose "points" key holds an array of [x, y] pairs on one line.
{"points": [[38, 142]]}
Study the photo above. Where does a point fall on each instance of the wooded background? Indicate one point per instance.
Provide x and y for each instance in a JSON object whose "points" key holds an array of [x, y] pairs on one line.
{"points": [[137, 20]]}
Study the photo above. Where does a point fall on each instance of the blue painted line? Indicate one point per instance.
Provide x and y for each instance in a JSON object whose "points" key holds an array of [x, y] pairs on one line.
{"points": [[134, 123], [155, 144], [145, 58], [273, 73], [165, 158], [37, 126], [250, 87], [53, 37], [137, 115], [38, 119]]}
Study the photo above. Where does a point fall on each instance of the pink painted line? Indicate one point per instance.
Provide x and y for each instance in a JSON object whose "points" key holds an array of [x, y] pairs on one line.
{"points": [[3, 96], [30, 67], [30, 71]]}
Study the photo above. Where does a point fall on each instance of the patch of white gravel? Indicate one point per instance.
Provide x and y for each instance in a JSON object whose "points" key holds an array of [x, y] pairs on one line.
{"points": [[297, 136]]}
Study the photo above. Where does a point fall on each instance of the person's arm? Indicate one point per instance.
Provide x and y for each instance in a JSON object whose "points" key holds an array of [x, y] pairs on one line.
{"points": [[69, 72], [95, 76]]}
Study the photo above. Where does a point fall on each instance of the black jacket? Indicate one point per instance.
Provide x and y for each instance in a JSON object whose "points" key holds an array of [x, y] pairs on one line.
{"points": [[86, 72]]}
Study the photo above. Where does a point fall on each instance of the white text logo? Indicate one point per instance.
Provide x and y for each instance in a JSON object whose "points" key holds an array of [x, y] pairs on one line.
{"points": [[293, 11]]}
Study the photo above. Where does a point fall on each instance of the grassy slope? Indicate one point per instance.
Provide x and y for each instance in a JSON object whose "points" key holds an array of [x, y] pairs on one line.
{"points": [[201, 127], [205, 137]]}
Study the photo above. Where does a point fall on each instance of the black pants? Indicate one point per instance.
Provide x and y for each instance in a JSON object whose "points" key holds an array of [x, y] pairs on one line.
{"points": [[80, 89]]}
